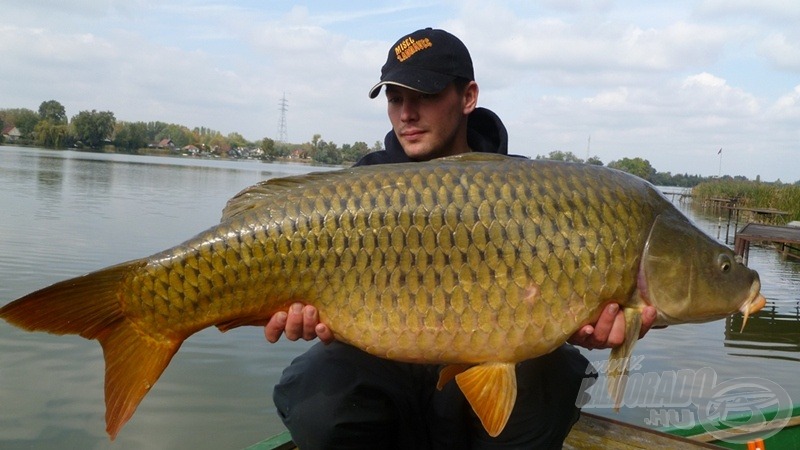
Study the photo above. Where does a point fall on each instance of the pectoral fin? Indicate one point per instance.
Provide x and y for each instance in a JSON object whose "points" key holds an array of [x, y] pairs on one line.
{"points": [[491, 390], [621, 356]]}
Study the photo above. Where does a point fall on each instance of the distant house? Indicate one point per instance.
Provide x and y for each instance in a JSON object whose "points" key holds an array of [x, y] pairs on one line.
{"points": [[299, 153], [166, 143], [191, 149], [11, 133]]}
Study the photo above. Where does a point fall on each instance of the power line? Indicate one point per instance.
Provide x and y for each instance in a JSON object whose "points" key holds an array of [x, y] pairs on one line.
{"points": [[283, 107]]}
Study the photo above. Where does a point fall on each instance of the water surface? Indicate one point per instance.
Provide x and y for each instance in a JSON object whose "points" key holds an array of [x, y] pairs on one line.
{"points": [[65, 213]]}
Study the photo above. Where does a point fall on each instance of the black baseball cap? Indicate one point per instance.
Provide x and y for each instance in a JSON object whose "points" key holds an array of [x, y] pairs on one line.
{"points": [[427, 61]]}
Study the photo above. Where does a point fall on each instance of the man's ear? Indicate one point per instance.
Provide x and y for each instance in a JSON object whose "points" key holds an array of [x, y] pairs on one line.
{"points": [[470, 98]]}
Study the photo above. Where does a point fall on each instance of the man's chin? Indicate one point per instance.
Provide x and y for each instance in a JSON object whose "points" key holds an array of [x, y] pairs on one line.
{"points": [[418, 152]]}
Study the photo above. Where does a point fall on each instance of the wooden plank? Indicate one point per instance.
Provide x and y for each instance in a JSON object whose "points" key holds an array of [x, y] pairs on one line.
{"points": [[775, 233], [597, 432], [759, 232]]}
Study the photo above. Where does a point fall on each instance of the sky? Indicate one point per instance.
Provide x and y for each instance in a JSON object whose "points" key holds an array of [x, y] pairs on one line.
{"points": [[670, 82]]}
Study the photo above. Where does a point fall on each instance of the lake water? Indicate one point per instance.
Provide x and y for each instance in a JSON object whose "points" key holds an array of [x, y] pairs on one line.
{"points": [[65, 213]]}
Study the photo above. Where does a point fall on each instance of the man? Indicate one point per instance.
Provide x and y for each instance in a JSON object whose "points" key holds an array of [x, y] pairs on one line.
{"points": [[336, 396]]}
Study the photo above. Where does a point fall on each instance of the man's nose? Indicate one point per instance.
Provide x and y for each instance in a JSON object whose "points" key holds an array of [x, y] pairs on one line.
{"points": [[410, 110]]}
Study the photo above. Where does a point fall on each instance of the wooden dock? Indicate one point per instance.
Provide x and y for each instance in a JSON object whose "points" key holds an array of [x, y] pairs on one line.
{"points": [[759, 215], [682, 194], [787, 238]]}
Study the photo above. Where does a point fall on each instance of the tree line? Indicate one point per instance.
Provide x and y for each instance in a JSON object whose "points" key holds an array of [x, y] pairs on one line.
{"points": [[643, 169], [50, 128]]}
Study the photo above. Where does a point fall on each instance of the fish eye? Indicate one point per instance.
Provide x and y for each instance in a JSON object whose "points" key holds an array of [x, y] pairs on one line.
{"points": [[725, 263]]}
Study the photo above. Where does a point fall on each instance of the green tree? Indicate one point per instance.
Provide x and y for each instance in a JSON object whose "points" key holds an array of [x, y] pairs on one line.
{"points": [[271, 150], [131, 136], [93, 128], [283, 149], [354, 152], [154, 130], [236, 140], [327, 153], [53, 111], [595, 161], [558, 155], [24, 119], [219, 144], [181, 136], [636, 166], [51, 134]]}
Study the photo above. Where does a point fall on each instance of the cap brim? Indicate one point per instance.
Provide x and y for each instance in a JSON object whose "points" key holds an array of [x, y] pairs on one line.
{"points": [[419, 80]]}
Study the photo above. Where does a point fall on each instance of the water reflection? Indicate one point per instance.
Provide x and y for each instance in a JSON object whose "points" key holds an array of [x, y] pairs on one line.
{"points": [[49, 177], [773, 332], [770, 334]]}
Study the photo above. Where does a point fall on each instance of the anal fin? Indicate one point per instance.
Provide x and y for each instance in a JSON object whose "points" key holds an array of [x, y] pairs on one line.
{"points": [[491, 390]]}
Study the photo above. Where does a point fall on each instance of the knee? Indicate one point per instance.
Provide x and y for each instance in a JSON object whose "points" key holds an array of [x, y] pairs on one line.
{"points": [[356, 417], [326, 399]]}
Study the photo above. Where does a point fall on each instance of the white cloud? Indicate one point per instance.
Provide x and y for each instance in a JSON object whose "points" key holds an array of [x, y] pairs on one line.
{"points": [[768, 10], [707, 94], [786, 110], [783, 50]]}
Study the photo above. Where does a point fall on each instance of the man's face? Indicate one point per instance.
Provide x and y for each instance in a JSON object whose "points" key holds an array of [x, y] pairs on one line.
{"points": [[430, 126]]}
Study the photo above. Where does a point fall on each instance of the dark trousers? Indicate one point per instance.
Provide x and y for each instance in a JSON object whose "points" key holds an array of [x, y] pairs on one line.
{"points": [[338, 397]]}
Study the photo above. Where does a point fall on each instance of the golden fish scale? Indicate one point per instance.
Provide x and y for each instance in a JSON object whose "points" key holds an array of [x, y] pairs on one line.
{"points": [[439, 262]]}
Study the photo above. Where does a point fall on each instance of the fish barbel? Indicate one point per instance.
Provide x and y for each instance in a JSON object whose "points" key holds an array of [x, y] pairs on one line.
{"points": [[474, 262]]}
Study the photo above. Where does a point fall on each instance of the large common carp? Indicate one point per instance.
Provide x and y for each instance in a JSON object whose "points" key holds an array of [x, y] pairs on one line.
{"points": [[475, 262]]}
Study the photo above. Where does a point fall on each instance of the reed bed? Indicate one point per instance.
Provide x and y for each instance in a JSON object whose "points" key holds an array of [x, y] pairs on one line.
{"points": [[753, 194]]}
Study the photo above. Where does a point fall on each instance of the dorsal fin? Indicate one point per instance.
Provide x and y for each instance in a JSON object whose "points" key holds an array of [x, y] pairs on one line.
{"points": [[268, 191], [476, 156], [265, 192]]}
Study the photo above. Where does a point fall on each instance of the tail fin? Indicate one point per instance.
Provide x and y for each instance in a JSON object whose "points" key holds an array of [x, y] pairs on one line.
{"points": [[90, 306]]}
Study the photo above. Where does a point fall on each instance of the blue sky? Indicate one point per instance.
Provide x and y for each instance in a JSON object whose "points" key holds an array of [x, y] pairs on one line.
{"points": [[671, 82]]}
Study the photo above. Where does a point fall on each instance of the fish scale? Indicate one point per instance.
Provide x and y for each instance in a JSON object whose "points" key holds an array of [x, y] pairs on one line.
{"points": [[477, 262]]}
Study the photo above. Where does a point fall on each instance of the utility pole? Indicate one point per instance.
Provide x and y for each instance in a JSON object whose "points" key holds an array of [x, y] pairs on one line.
{"points": [[283, 106], [588, 144]]}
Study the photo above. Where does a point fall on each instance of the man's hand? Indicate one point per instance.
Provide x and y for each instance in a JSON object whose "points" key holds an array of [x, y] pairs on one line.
{"points": [[609, 330], [299, 322]]}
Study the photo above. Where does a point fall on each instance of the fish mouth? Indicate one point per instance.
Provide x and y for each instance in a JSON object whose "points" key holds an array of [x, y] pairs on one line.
{"points": [[753, 304]]}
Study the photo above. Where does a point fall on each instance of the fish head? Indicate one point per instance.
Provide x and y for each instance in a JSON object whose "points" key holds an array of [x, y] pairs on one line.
{"points": [[690, 277]]}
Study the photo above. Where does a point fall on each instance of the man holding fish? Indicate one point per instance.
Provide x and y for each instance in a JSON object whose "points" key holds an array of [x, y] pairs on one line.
{"points": [[475, 268], [337, 396]]}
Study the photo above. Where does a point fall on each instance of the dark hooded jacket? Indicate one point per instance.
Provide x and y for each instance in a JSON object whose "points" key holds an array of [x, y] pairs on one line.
{"points": [[485, 133]]}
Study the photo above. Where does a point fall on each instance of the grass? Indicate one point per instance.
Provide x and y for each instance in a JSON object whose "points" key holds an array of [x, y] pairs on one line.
{"points": [[753, 194]]}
